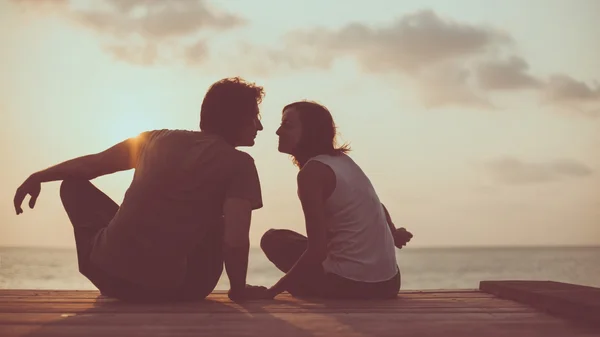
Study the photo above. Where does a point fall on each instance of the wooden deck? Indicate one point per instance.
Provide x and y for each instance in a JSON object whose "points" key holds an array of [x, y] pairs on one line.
{"points": [[423, 313]]}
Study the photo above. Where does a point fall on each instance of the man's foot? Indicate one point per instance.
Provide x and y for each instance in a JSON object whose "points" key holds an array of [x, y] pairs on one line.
{"points": [[401, 237]]}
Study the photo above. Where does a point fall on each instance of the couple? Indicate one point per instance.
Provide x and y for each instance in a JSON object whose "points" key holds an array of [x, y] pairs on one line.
{"points": [[188, 210]]}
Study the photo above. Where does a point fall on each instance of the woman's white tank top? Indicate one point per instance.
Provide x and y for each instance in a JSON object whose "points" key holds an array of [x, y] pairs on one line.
{"points": [[360, 244]]}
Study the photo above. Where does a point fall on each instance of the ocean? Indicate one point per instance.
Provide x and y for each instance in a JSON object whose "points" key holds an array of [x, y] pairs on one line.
{"points": [[421, 268]]}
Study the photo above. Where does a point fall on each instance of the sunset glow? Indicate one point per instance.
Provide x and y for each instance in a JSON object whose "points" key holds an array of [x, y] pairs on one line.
{"points": [[478, 123]]}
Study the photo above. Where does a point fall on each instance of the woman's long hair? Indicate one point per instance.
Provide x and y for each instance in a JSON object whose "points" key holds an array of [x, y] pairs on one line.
{"points": [[318, 133]]}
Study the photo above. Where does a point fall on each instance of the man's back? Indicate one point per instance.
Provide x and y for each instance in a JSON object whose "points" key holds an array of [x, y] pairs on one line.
{"points": [[175, 197]]}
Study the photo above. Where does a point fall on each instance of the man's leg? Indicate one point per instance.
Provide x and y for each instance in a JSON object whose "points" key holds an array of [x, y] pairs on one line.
{"points": [[205, 265], [284, 248], [89, 210]]}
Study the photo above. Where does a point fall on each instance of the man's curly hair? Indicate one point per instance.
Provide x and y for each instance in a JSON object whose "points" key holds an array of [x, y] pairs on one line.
{"points": [[228, 106]]}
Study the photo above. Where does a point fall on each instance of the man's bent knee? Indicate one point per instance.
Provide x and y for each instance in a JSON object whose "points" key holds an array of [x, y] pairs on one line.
{"points": [[70, 187]]}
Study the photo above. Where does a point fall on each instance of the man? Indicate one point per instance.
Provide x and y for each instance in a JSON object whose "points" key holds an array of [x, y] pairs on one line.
{"points": [[349, 251], [186, 212]]}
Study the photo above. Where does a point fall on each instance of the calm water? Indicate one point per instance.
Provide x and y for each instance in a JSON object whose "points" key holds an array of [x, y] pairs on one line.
{"points": [[33, 268]]}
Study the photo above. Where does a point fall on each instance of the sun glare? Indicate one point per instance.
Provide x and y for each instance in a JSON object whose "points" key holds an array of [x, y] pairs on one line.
{"points": [[130, 116], [123, 129]]}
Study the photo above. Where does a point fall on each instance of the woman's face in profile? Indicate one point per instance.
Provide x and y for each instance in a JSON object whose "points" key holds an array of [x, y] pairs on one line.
{"points": [[290, 131]]}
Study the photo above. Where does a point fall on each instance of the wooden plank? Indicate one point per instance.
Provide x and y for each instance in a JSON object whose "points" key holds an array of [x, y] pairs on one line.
{"points": [[68, 299], [428, 313], [266, 324], [107, 299], [562, 299], [193, 318], [221, 292], [220, 304], [282, 309], [7, 293], [284, 303]]}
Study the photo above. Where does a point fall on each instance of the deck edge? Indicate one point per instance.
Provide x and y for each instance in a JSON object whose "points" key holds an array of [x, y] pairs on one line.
{"points": [[571, 301]]}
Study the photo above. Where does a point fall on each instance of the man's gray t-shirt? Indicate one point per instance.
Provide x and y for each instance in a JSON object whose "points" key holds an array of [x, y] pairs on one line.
{"points": [[181, 181]]}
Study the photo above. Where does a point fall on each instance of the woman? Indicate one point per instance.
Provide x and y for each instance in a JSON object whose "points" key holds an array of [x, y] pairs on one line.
{"points": [[350, 248]]}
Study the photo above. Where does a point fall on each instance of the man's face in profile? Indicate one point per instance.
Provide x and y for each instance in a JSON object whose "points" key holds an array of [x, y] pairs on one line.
{"points": [[250, 130]]}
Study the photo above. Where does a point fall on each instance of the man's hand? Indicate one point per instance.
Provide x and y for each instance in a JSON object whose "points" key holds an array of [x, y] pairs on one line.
{"points": [[401, 237], [250, 293], [271, 293], [31, 186]]}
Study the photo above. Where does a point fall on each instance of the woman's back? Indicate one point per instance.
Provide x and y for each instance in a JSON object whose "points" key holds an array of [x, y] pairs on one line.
{"points": [[360, 244]]}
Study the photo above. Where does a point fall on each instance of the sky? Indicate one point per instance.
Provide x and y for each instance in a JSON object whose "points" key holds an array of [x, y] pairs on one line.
{"points": [[478, 123]]}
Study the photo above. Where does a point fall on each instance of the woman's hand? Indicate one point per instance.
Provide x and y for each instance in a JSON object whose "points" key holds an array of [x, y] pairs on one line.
{"points": [[401, 237], [250, 293]]}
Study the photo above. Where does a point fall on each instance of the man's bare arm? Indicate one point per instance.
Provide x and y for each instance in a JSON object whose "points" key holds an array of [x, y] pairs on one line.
{"points": [[236, 244], [120, 157]]}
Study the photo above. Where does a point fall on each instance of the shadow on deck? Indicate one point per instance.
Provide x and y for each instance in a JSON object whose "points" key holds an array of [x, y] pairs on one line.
{"points": [[449, 313]]}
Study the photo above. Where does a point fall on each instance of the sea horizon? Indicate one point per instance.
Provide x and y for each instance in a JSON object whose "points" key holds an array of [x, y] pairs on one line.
{"points": [[421, 268], [411, 247]]}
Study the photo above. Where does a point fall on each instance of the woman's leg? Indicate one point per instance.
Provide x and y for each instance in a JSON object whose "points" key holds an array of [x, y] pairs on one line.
{"points": [[342, 288], [284, 248]]}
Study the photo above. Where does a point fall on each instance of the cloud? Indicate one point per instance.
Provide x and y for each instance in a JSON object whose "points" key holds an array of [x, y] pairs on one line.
{"points": [[267, 61], [196, 53], [146, 31], [450, 85], [411, 42], [450, 62], [143, 55], [155, 19], [431, 50], [513, 171], [42, 6], [42, 2], [574, 96], [563, 88], [505, 74]]}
